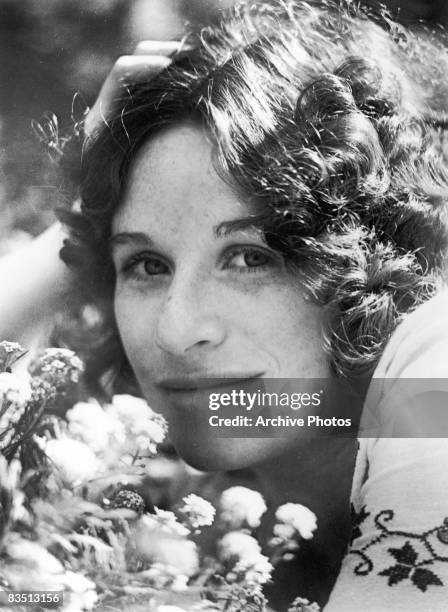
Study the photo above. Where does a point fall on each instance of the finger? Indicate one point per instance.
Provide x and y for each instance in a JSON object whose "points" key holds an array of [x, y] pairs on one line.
{"points": [[130, 69], [127, 70], [158, 47]]}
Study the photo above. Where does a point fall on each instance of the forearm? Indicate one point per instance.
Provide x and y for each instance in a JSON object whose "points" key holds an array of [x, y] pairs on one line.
{"points": [[34, 285]]}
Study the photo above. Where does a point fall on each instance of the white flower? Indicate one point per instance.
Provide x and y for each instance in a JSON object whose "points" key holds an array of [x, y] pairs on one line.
{"points": [[10, 483], [303, 605], [95, 426], [179, 583], [161, 469], [33, 556], [11, 347], [284, 531], [299, 517], [167, 521], [77, 582], [160, 576], [82, 594], [74, 460], [58, 366], [255, 569], [9, 353], [241, 506], [198, 511], [14, 390], [131, 410], [164, 546], [163, 520], [14, 394], [144, 427], [237, 545]]}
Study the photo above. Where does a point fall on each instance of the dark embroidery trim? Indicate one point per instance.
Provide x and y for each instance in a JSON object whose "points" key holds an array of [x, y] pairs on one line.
{"points": [[408, 564], [357, 519]]}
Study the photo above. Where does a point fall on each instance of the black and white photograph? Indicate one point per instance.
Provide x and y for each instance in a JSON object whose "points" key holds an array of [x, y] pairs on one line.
{"points": [[224, 305]]}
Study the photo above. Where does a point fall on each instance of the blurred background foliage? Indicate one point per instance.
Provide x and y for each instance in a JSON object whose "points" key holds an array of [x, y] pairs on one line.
{"points": [[54, 57]]}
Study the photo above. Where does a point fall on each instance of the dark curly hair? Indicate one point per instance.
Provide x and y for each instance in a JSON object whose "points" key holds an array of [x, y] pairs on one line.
{"points": [[328, 117]]}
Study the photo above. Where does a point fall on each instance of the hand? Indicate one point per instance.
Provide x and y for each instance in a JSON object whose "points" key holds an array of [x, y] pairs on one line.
{"points": [[149, 58]]}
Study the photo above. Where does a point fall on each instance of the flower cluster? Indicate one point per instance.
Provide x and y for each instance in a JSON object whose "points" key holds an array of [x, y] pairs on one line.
{"points": [[294, 522], [15, 393], [241, 507], [58, 367], [125, 431], [298, 517], [197, 511], [78, 516], [54, 372], [303, 605], [241, 555], [10, 352]]}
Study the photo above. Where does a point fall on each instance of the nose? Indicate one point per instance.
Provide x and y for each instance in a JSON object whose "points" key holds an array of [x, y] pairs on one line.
{"points": [[189, 320]]}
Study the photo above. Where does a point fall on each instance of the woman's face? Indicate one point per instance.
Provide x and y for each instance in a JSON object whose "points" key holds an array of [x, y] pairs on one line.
{"points": [[192, 303]]}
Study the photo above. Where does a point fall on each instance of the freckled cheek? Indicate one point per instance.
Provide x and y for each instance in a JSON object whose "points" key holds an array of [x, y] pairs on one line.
{"points": [[136, 323], [288, 331]]}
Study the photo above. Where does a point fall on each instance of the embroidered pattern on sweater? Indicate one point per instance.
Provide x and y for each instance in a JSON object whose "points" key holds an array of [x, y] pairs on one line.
{"points": [[406, 563]]}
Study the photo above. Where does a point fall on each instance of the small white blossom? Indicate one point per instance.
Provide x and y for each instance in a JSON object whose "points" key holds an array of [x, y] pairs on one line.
{"points": [[300, 517], [11, 347], [180, 583], [198, 511], [161, 576], [33, 556], [42, 391], [255, 569], [284, 531], [59, 367], [167, 521], [75, 461], [14, 395], [10, 483], [95, 426], [161, 542], [14, 390], [303, 605], [240, 506], [144, 427], [164, 520], [237, 545], [9, 353], [82, 593]]}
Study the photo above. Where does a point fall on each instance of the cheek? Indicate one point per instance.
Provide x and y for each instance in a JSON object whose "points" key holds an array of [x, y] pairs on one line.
{"points": [[290, 329], [135, 323]]}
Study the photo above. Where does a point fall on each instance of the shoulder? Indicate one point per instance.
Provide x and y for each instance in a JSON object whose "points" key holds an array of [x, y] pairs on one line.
{"points": [[399, 548], [408, 393], [418, 342]]}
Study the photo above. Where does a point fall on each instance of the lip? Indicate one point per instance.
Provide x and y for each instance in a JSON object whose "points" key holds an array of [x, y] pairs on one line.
{"points": [[207, 381]]}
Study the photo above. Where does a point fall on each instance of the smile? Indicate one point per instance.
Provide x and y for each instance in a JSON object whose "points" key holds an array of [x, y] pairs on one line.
{"points": [[207, 382]]}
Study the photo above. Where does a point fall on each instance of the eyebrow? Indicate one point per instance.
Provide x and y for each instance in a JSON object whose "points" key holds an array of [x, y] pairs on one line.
{"points": [[222, 230], [129, 237]]}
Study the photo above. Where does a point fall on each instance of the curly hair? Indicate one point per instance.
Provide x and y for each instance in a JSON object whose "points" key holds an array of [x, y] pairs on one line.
{"points": [[325, 115]]}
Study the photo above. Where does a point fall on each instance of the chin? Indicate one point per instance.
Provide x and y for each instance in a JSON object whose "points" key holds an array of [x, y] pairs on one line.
{"points": [[226, 454]]}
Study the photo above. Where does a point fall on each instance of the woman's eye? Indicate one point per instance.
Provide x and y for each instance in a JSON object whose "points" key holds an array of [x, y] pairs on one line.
{"points": [[249, 259], [142, 266], [153, 267]]}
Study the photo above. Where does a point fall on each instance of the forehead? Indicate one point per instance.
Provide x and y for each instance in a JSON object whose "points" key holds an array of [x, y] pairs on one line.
{"points": [[173, 182]]}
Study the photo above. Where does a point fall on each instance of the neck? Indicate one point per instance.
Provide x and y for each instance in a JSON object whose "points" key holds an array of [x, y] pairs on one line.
{"points": [[318, 476], [321, 467]]}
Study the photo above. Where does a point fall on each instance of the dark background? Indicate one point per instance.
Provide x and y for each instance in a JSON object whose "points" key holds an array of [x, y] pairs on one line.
{"points": [[56, 51]]}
